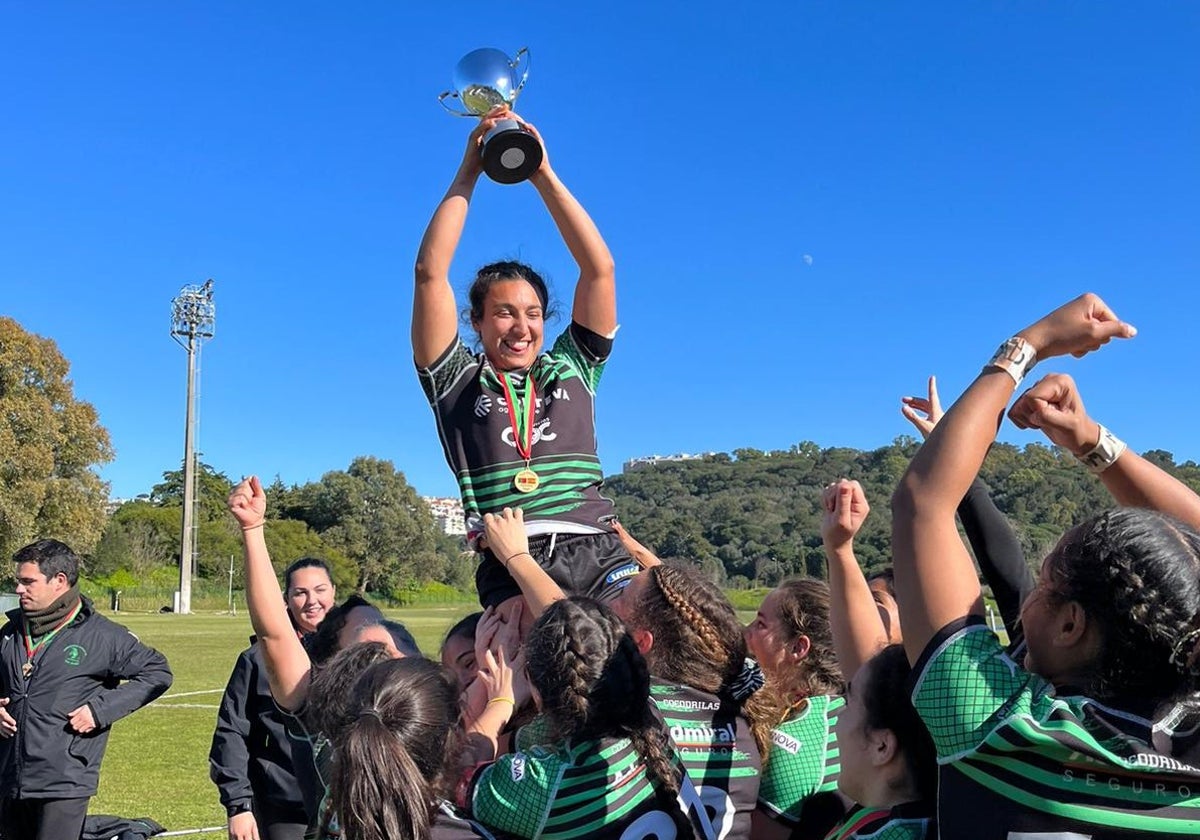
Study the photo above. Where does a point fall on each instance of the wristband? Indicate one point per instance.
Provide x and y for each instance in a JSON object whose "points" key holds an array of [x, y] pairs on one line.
{"points": [[510, 557], [1016, 357], [507, 700], [246, 528], [1105, 453]]}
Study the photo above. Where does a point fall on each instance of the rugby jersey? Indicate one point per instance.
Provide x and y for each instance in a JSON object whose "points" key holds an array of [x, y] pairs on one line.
{"points": [[800, 782], [717, 749], [596, 788], [473, 421], [1039, 764], [910, 821]]}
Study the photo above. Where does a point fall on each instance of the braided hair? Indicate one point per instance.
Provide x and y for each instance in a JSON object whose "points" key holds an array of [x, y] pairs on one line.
{"points": [[594, 683], [699, 641], [1136, 574]]}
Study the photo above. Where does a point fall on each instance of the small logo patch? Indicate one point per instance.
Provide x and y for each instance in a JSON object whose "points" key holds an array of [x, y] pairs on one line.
{"points": [[622, 573], [785, 741], [518, 767], [74, 655]]}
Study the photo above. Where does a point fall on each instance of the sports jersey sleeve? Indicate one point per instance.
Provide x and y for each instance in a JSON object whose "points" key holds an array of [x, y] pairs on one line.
{"points": [[585, 350], [536, 733], [514, 793], [804, 761], [439, 378], [965, 686]]}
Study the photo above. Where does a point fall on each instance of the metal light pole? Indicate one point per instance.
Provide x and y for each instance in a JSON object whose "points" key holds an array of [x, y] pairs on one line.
{"points": [[193, 319]]}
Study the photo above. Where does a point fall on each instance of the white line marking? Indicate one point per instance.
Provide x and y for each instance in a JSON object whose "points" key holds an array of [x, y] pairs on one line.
{"points": [[192, 693], [181, 706]]}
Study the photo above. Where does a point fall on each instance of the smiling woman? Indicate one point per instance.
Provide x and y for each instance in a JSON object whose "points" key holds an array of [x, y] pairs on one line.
{"points": [[516, 423]]}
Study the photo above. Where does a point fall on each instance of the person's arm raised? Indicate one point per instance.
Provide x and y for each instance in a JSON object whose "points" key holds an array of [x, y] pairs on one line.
{"points": [[595, 303], [935, 579], [858, 631], [287, 664], [435, 314], [1055, 406], [506, 538]]}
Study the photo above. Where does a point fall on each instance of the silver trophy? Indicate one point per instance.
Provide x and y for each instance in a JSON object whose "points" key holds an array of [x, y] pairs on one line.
{"points": [[484, 79]]}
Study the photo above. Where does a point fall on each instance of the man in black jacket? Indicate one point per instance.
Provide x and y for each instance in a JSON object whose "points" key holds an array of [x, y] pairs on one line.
{"points": [[251, 760], [66, 675]]}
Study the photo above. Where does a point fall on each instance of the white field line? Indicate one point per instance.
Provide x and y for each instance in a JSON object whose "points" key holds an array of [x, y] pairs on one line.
{"points": [[191, 694], [181, 706]]}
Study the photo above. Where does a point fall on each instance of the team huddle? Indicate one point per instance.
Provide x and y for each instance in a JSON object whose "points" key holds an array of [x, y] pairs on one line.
{"points": [[603, 693]]}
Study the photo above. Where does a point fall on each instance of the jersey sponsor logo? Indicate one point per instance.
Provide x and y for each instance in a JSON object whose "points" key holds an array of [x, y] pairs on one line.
{"points": [[483, 405], [1141, 787], [73, 655], [539, 433], [702, 735], [621, 573], [1162, 762], [687, 705], [518, 767], [561, 394], [785, 741]]}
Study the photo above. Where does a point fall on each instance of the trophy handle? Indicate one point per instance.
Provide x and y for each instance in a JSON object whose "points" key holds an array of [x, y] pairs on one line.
{"points": [[450, 94], [521, 53]]}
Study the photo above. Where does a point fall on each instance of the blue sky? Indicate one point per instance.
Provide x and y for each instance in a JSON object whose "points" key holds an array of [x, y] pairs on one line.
{"points": [[951, 170]]}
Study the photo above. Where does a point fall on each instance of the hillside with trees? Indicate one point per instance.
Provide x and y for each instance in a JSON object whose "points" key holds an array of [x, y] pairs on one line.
{"points": [[753, 518]]}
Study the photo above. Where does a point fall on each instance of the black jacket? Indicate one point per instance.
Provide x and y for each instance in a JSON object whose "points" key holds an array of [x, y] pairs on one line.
{"points": [[92, 660], [251, 755]]}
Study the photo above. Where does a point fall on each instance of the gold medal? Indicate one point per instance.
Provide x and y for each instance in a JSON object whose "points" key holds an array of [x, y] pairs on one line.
{"points": [[27, 669], [526, 481]]}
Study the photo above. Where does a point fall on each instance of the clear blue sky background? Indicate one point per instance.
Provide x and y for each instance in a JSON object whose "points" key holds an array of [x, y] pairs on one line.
{"points": [[952, 170]]}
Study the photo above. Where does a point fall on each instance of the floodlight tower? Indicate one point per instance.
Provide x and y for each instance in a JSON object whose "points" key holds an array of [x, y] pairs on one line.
{"points": [[193, 320]]}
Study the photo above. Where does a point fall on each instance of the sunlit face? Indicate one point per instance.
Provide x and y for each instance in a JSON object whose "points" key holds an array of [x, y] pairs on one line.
{"points": [[511, 327], [34, 590], [458, 654], [378, 633], [889, 610], [310, 596], [355, 620], [855, 747], [765, 637]]}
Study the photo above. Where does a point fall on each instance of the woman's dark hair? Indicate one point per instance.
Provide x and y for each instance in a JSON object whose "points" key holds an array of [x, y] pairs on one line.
{"points": [[329, 691], [699, 641], [1136, 573], [304, 563], [804, 611], [594, 683], [464, 627], [889, 706], [888, 576], [390, 752], [499, 272], [324, 643]]}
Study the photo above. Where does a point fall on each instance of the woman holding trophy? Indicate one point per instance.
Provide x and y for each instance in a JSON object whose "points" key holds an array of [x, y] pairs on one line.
{"points": [[516, 421]]}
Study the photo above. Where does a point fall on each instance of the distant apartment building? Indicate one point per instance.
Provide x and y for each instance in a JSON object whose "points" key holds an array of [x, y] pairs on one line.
{"points": [[655, 460], [447, 513]]}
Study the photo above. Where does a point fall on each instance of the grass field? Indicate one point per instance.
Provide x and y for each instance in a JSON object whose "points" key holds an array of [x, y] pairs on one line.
{"points": [[157, 760]]}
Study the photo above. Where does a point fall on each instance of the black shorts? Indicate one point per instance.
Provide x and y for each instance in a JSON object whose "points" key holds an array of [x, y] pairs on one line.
{"points": [[596, 565]]}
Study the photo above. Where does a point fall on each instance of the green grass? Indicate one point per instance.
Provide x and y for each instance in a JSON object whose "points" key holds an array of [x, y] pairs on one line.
{"points": [[157, 759]]}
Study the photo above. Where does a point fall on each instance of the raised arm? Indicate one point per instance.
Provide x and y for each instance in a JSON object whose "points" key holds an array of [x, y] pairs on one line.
{"points": [[505, 532], [935, 580], [435, 316], [288, 668], [595, 304], [1054, 406], [996, 546], [858, 631]]}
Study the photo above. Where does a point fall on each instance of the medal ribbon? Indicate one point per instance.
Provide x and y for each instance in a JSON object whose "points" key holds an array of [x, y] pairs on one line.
{"points": [[31, 649], [522, 426]]}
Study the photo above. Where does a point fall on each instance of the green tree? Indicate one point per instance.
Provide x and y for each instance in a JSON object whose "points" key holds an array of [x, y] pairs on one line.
{"points": [[49, 444], [212, 492]]}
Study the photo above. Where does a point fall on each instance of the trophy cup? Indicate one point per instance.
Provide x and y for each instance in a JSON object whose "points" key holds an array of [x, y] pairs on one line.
{"points": [[484, 79]]}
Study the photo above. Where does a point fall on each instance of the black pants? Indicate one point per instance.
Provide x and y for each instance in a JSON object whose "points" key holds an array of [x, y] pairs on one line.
{"points": [[43, 819], [596, 565], [276, 823]]}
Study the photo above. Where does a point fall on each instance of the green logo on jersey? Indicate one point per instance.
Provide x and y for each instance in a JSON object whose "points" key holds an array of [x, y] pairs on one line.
{"points": [[74, 655]]}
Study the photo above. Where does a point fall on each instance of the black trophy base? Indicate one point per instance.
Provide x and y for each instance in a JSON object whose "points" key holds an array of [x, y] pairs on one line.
{"points": [[510, 155]]}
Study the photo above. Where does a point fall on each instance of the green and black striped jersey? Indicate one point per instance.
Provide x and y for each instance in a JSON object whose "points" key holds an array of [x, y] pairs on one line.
{"points": [[800, 780], [718, 751], [910, 821], [1020, 761], [595, 789], [475, 428]]}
